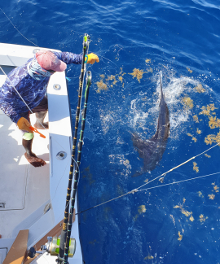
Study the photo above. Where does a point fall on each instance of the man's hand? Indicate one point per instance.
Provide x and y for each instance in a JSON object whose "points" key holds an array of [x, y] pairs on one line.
{"points": [[23, 124], [92, 58]]}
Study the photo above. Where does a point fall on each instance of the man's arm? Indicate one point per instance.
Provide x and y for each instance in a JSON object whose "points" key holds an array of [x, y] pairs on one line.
{"points": [[69, 57]]}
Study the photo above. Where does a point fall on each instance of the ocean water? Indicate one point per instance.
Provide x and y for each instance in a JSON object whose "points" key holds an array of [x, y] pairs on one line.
{"points": [[164, 222]]}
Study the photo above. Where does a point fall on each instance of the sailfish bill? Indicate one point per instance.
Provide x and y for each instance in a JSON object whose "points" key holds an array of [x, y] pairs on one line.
{"points": [[151, 150]]}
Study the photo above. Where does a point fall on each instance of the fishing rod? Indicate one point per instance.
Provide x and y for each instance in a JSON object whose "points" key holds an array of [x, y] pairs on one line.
{"points": [[86, 41], [69, 245], [76, 171]]}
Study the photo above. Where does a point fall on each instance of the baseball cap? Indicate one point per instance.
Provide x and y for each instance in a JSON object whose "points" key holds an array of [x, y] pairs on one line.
{"points": [[49, 61]]}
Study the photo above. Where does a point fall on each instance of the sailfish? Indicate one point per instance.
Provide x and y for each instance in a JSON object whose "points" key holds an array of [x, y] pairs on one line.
{"points": [[151, 150]]}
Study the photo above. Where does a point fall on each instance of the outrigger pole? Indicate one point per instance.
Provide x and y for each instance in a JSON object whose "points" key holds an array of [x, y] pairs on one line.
{"points": [[67, 222]]}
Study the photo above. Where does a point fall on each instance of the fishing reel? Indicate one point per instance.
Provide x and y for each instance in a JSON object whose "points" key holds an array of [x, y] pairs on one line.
{"points": [[88, 78], [52, 247]]}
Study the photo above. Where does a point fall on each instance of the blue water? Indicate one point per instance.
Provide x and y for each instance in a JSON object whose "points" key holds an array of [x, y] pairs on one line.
{"points": [[177, 223]]}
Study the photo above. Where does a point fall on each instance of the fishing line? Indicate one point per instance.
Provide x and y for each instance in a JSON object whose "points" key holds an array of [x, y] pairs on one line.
{"points": [[137, 190], [176, 182], [106, 59], [162, 176], [110, 61], [20, 31], [17, 29], [113, 199]]}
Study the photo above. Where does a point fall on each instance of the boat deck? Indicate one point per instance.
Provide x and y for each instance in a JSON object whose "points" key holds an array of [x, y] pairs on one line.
{"points": [[20, 182]]}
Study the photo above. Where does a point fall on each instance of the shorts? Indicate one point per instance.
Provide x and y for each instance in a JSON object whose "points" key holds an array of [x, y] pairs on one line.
{"points": [[43, 106]]}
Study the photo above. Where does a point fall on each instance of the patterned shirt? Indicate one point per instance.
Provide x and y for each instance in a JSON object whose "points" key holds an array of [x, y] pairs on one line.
{"points": [[30, 80]]}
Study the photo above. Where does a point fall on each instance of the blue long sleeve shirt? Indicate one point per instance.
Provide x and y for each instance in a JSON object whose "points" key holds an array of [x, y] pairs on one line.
{"points": [[31, 81]]}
